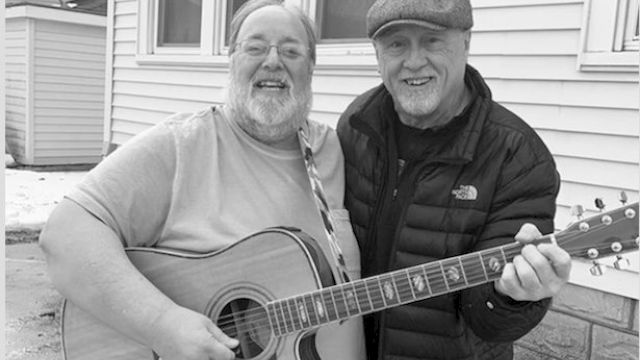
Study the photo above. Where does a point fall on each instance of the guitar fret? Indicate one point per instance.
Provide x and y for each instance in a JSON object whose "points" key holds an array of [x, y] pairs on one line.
{"points": [[491, 261], [303, 314], [287, 320], [444, 276], [484, 269], [504, 257], [400, 283], [341, 307], [437, 282], [335, 304], [454, 275], [352, 299], [389, 290], [311, 310], [426, 278], [472, 269], [413, 293], [366, 288], [273, 319], [362, 296], [462, 270], [373, 287], [419, 282], [323, 312], [294, 319]]}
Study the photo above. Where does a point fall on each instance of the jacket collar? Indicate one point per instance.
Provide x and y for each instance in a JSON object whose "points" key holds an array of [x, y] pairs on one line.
{"points": [[372, 118]]}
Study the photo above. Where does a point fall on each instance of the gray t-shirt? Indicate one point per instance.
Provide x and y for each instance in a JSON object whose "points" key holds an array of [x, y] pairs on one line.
{"points": [[198, 182]]}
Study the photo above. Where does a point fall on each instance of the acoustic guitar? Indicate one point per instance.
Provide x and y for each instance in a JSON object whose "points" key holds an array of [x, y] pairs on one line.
{"points": [[274, 289]]}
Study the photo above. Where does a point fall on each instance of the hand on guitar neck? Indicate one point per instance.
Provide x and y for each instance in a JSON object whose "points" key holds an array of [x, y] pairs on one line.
{"points": [[538, 272]]}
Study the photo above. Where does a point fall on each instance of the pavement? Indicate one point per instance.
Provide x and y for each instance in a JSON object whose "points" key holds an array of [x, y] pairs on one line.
{"points": [[32, 305]]}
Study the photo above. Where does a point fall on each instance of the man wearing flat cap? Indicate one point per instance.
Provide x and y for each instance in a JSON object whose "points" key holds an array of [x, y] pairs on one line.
{"points": [[437, 169]]}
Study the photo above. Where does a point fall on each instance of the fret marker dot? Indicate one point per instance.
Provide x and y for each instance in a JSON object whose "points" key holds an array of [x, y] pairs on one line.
{"points": [[388, 290], [351, 300], [319, 309], [453, 273], [302, 312], [494, 264], [418, 283]]}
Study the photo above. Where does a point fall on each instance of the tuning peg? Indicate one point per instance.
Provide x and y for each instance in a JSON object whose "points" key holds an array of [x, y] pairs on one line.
{"points": [[577, 211], [623, 197], [599, 204], [621, 263], [597, 269]]}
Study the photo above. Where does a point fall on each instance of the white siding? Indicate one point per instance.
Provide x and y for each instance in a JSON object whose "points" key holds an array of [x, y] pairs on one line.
{"points": [[69, 65], [527, 50], [144, 94], [589, 120], [16, 86]]}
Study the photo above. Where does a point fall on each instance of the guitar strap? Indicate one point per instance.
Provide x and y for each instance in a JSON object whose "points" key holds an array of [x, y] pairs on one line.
{"points": [[322, 205]]}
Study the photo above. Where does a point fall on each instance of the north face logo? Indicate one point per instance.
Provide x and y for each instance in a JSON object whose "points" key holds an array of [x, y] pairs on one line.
{"points": [[466, 192]]}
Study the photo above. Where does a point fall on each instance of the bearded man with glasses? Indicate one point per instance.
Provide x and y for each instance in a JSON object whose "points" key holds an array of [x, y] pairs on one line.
{"points": [[201, 182]]}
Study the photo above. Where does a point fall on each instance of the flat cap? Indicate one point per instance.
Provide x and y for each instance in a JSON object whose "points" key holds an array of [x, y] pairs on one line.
{"points": [[433, 14]]}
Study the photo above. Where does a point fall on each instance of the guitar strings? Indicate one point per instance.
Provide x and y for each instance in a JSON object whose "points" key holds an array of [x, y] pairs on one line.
{"points": [[403, 291], [250, 315], [292, 323]]}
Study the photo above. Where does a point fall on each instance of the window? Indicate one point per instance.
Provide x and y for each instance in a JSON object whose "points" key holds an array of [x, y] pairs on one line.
{"points": [[232, 7], [342, 19], [610, 36], [179, 23], [631, 37], [195, 32], [184, 32]]}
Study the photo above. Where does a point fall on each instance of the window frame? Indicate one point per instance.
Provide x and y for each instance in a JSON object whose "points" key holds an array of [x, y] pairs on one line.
{"points": [[213, 52], [336, 47], [605, 25], [210, 52]]}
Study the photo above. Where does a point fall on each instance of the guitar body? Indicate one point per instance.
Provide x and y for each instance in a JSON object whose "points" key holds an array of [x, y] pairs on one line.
{"points": [[273, 264]]}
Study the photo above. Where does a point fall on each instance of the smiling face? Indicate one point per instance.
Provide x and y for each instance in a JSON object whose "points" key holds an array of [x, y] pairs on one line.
{"points": [[424, 71], [270, 93]]}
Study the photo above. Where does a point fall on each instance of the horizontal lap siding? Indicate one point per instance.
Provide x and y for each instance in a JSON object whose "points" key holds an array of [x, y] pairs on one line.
{"points": [[68, 92], [589, 120], [16, 86], [143, 95], [527, 51]]}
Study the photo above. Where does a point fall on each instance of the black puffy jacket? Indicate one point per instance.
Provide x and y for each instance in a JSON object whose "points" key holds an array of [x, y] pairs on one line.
{"points": [[481, 177]]}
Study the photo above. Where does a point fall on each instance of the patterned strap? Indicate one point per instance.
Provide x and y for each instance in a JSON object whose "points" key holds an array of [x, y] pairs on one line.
{"points": [[321, 203]]}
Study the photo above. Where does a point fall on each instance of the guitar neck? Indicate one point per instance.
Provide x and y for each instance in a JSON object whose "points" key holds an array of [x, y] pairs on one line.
{"points": [[609, 233], [360, 297]]}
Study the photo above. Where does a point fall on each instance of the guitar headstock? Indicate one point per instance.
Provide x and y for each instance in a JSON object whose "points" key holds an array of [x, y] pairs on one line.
{"points": [[608, 233]]}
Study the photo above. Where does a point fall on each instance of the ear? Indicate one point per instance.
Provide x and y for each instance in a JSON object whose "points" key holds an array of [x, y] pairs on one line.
{"points": [[467, 41], [375, 47]]}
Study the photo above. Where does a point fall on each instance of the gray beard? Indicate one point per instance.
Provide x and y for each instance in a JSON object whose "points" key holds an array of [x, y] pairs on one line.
{"points": [[266, 119]]}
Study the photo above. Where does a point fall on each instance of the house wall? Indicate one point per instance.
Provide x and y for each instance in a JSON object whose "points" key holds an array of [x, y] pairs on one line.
{"points": [[68, 95], [528, 53], [16, 86]]}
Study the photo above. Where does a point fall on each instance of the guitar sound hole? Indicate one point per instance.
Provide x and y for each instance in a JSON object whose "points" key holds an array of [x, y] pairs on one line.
{"points": [[246, 320]]}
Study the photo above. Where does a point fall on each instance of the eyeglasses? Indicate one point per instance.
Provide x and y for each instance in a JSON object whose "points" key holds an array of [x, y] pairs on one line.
{"points": [[260, 48]]}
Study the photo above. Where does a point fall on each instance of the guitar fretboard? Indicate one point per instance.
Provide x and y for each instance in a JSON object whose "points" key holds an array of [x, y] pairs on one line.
{"points": [[360, 297]]}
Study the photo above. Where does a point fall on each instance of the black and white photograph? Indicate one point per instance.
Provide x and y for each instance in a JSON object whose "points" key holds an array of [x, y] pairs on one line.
{"points": [[321, 179]]}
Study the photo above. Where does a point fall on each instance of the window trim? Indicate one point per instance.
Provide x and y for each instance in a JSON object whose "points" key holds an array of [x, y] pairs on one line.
{"points": [[310, 7], [607, 53], [210, 53]]}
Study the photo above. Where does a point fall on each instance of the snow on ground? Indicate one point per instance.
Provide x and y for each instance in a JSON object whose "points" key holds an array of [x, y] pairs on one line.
{"points": [[30, 196]]}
